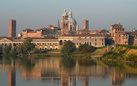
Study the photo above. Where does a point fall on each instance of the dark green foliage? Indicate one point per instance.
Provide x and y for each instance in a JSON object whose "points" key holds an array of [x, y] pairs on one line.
{"points": [[68, 48], [28, 46], [36, 50], [81, 46], [86, 50], [0, 50], [13, 52], [6, 50], [20, 49], [68, 62]]}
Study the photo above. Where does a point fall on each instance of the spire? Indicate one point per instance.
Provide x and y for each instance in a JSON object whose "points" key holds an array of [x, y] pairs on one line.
{"points": [[58, 24], [70, 13], [64, 14]]}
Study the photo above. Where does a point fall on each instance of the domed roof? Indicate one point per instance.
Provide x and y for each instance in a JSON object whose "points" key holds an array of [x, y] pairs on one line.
{"points": [[72, 20]]}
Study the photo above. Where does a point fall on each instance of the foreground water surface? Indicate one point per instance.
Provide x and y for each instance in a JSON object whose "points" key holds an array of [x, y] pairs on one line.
{"points": [[66, 72]]}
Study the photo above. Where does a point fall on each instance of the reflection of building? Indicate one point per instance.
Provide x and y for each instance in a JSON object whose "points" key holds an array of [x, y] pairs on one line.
{"points": [[52, 71], [12, 28], [12, 76], [117, 79]]}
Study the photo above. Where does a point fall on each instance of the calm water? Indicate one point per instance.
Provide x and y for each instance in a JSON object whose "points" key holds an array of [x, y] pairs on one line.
{"points": [[66, 72]]}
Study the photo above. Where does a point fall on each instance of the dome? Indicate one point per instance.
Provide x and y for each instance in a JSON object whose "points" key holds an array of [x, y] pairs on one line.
{"points": [[72, 20]]}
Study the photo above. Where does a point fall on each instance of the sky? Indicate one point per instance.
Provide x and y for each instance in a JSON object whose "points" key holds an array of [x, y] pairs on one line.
{"points": [[36, 14]]}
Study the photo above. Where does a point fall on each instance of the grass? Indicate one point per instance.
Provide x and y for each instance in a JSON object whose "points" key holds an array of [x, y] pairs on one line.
{"points": [[99, 50]]}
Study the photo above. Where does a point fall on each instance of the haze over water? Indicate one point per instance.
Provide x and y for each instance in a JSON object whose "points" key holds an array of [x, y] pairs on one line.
{"points": [[36, 14]]}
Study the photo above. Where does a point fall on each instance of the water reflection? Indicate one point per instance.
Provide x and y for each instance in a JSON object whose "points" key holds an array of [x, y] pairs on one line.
{"points": [[61, 72]]}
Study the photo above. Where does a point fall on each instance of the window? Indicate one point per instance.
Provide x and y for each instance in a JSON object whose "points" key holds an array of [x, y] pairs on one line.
{"points": [[95, 39], [95, 43], [102, 39], [90, 43], [77, 43], [102, 43]]}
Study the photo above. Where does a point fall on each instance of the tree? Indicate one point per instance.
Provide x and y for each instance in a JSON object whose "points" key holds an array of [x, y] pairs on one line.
{"points": [[68, 48], [81, 46], [20, 49], [6, 49], [86, 49], [0, 50], [13, 52], [28, 46]]}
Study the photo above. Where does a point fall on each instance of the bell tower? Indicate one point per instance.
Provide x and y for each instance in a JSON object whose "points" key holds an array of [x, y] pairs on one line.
{"points": [[64, 24]]}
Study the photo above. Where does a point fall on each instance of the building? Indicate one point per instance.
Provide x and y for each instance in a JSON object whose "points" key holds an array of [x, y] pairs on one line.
{"points": [[86, 24], [120, 36], [95, 40], [68, 24], [12, 28], [42, 32]]}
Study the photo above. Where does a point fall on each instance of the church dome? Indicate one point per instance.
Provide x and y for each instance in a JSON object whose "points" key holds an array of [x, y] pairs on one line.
{"points": [[72, 20]]}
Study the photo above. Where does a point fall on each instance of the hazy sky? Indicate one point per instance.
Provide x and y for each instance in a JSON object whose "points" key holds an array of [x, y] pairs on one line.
{"points": [[36, 14]]}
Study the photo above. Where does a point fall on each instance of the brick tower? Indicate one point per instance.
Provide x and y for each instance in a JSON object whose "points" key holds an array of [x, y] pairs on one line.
{"points": [[64, 24], [86, 24], [12, 28]]}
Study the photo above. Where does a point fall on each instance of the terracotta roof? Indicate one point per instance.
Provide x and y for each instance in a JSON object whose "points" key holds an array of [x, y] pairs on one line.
{"points": [[83, 30], [28, 29], [86, 35], [52, 26], [43, 29], [132, 33]]}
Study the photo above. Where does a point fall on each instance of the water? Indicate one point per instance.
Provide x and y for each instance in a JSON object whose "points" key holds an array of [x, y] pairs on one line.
{"points": [[66, 72]]}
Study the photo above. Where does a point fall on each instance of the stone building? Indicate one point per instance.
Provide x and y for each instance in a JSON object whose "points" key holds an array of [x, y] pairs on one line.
{"points": [[95, 40], [42, 32], [40, 43], [12, 28], [120, 36]]}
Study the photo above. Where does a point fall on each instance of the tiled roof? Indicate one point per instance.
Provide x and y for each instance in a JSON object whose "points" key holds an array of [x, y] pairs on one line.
{"points": [[28, 29], [86, 35]]}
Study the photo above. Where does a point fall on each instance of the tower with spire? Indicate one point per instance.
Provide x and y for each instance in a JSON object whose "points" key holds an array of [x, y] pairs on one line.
{"points": [[69, 24]]}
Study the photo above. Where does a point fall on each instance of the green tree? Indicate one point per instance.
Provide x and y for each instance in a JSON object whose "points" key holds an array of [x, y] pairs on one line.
{"points": [[6, 50], [0, 50], [86, 49], [20, 49], [13, 53], [81, 46], [68, 48], [28, 46]]}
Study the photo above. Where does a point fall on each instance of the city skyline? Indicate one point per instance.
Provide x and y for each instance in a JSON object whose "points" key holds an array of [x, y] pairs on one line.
{"points": [[38, 14]]}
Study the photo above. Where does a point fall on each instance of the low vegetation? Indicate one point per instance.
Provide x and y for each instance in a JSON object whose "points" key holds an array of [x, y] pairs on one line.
{"points": [[122, 53]]}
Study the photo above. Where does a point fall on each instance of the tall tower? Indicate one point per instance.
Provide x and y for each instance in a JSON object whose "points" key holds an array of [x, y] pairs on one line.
{"points": [[58, 24], [86, 24], [12, 28], [64, 24]]}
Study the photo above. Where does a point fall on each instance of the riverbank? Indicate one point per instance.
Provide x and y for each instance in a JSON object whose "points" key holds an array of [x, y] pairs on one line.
{"points": [[122, 53]]}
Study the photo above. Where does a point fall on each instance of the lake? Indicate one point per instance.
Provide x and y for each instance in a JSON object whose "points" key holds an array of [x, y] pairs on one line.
{"points": [[66, 72]]}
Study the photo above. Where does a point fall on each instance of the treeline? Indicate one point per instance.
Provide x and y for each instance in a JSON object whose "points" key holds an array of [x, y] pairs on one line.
{"points": [[69, 48], [9, 51]]}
